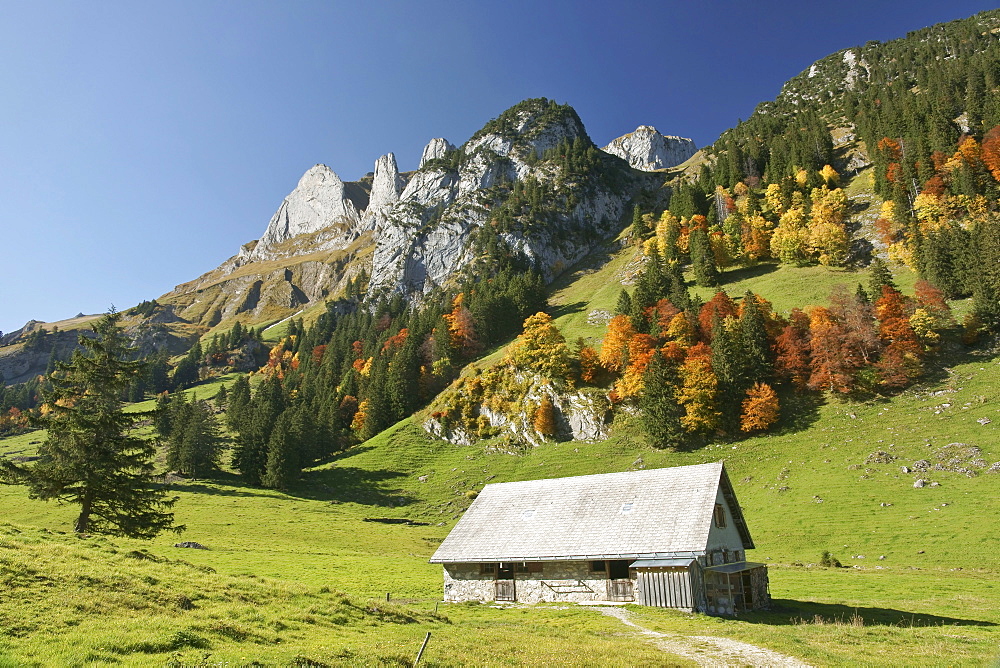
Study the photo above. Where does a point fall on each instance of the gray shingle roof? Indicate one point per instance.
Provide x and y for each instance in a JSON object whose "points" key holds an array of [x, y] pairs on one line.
{"points": [[636, 514]]}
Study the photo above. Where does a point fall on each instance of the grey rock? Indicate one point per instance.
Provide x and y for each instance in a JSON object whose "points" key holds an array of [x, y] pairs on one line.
{"points": [[191, 544], [919, 482], [436, 148], [648, 150], [318, 201], [386, 185]]}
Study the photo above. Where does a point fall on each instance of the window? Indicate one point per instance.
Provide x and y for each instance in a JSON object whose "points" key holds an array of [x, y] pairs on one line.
{"points": [[720, 516], [487, 569], [598, 567]]}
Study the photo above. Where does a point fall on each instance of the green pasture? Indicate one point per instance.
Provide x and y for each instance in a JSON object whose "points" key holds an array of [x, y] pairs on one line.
{"points": [[821, 484]]}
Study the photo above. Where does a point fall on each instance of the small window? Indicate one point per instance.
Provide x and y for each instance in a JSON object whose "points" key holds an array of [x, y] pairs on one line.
{"points": [[487, 569], [720, 516], [520, 567], [598, 566], [737, 555]]}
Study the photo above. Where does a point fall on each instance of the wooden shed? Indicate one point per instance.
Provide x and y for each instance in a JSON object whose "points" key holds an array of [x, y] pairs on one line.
{"points": [[673, 537]]}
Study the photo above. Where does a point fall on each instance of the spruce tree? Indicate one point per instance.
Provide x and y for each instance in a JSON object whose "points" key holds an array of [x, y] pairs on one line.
{"points": [[250, 454], [661, 412], [91, 456], [756, 348], [880, 275], [702, 259], [195, 445], [624, 305], [283, 465]]}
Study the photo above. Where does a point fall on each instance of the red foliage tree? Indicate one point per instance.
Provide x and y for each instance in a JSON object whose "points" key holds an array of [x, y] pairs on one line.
{"points": [[830, 369], [791, 362], [719, 305]]}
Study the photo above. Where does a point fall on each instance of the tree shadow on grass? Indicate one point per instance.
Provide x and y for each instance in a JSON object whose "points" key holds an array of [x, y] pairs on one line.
{"points": [[335, 484], [566, 309], [743, 273], [799, 410], [784, 612], [352, 484]]}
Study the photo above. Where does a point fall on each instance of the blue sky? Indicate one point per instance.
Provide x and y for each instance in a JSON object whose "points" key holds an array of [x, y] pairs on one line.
{"points": [[141, 143]]}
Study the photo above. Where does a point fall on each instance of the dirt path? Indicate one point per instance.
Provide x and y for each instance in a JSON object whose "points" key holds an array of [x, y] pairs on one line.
{"points": [[707, 650]]}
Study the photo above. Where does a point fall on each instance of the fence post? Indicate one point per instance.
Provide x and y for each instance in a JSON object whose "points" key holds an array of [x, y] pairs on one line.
{"points": [[422, 647]]}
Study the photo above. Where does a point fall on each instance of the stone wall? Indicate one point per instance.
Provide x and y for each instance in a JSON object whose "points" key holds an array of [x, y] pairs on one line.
{"points": [[570, 581]]}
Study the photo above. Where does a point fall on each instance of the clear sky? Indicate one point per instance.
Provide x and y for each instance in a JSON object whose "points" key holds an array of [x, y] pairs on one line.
{"points": [[142, 142]]}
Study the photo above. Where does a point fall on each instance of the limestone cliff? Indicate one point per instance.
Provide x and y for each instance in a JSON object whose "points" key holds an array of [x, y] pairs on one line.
{"points": [[411, 233], [436, 148], [648, 150]]}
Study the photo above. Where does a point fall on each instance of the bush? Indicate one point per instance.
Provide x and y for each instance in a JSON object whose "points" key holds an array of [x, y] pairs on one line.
{"points": [[827, 560]]}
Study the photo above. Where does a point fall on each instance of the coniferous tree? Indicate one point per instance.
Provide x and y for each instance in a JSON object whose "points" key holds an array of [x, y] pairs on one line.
{"points": [[239, 400], [661, 410], [702, 258], [90, 456], [283, 466], [250, 454], [195, 444]]}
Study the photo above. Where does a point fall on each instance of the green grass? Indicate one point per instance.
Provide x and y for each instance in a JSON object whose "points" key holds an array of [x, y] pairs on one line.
{"points": [[812, 486]]}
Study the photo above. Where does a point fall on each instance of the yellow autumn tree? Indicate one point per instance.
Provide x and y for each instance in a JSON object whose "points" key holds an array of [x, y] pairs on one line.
{"points": [[699, 391], [830, 176], [540, 348], [760, 408]]}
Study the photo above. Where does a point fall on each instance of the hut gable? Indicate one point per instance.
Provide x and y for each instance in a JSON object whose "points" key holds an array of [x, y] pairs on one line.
{"points": [[631, 515]]}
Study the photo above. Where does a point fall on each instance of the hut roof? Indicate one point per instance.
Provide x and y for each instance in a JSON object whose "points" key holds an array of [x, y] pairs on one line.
{"points": [[648, 514]]}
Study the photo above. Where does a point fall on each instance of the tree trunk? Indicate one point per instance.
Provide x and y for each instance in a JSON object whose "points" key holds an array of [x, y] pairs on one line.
{"points": [[83, 521]]}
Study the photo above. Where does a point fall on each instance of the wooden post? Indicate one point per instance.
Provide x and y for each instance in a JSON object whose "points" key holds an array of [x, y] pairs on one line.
{"points": [[387, 597], [422, 648], [436, 603]]}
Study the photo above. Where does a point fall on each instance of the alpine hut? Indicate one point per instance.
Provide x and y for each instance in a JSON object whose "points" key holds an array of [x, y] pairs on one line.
{"points": [[670, 537]]}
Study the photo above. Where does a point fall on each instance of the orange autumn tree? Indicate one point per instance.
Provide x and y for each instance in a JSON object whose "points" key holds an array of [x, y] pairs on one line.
{"points": [[830, 369], [461, 328], [990, 152], [720, 305], [760, 408], [900, 363], [614, 349], [544, 420], [640, 351]]}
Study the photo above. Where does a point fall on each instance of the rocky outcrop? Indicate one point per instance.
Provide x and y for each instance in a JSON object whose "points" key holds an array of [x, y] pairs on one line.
{"points": [[386, 184], [648, 150], [427, 236], [318, 202], [580, 416], [436, 148]]}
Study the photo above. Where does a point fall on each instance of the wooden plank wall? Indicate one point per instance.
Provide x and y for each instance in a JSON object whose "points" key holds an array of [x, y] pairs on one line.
{"points": [[667, 588]]}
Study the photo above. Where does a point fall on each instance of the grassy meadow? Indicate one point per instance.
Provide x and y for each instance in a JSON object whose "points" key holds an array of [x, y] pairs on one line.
{"points": [[302, 578]]}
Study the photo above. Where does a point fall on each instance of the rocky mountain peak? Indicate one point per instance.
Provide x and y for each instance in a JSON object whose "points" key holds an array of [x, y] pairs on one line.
{"points": [[648, 150], [319, 200], [386, 184], [436, 148]]}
